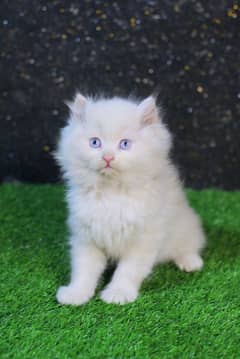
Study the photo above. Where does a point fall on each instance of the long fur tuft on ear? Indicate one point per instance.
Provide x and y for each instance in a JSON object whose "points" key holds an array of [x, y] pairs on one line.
{"points": [[148, 111], [77, 105]]}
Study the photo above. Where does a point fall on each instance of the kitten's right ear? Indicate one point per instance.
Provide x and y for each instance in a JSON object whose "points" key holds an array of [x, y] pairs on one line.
{"points": [[77, 106]]}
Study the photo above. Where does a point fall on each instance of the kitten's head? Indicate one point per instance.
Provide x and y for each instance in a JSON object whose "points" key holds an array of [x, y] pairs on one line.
{"points": [[112, 138]]}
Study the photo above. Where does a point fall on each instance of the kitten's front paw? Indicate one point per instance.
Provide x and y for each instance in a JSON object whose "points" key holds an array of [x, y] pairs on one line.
{"points": [[73, 295], [118, 295], [189, 262]]}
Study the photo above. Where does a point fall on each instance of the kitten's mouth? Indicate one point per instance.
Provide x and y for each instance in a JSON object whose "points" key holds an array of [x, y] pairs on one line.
{"points": [[107, 170], [107, 166]]}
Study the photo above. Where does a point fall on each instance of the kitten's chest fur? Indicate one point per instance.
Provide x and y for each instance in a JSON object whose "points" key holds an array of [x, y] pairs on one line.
{"points": [[109, 218]]}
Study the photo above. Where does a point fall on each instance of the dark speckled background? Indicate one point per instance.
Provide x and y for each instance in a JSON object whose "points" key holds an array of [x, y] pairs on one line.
{"points": [[188, 50]]}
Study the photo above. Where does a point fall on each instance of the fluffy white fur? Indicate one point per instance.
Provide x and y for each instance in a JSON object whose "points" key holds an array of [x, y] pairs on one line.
{"points": [[135, 212]]}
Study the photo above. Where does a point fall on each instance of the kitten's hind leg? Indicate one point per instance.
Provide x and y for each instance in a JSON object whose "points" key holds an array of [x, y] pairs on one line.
{"points": [[88, 263], [189, 262], [187, 241]]}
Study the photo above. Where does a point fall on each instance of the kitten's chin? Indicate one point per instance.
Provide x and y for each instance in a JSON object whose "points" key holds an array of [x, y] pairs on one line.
{"points": [[108, 171]]}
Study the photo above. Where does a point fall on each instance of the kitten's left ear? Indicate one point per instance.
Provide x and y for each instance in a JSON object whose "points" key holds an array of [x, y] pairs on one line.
{"points": [[148, 111]]}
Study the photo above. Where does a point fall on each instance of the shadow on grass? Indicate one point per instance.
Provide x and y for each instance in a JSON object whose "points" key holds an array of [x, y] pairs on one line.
{"points": [[222, 243]]}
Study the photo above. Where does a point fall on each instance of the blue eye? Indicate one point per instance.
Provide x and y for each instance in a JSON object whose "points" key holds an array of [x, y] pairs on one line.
{"points": [[95, 142], [125, 144]]}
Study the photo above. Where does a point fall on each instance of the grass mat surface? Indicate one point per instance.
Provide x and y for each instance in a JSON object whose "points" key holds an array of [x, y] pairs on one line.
{"points": [[177, 315]]}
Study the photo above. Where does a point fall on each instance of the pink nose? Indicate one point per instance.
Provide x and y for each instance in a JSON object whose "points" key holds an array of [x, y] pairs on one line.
{"points": [[108, 159]]}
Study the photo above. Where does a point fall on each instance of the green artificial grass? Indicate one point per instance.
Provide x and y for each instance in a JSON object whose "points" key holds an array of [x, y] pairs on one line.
{"points": [[177, 315]]}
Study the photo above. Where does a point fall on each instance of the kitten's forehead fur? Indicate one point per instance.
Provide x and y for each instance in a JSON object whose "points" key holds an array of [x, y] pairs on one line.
{"points": [[105, 112], [111, 116]]}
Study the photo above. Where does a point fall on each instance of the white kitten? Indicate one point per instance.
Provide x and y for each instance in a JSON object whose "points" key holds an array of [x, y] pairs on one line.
{"points": [[125, 199]]}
